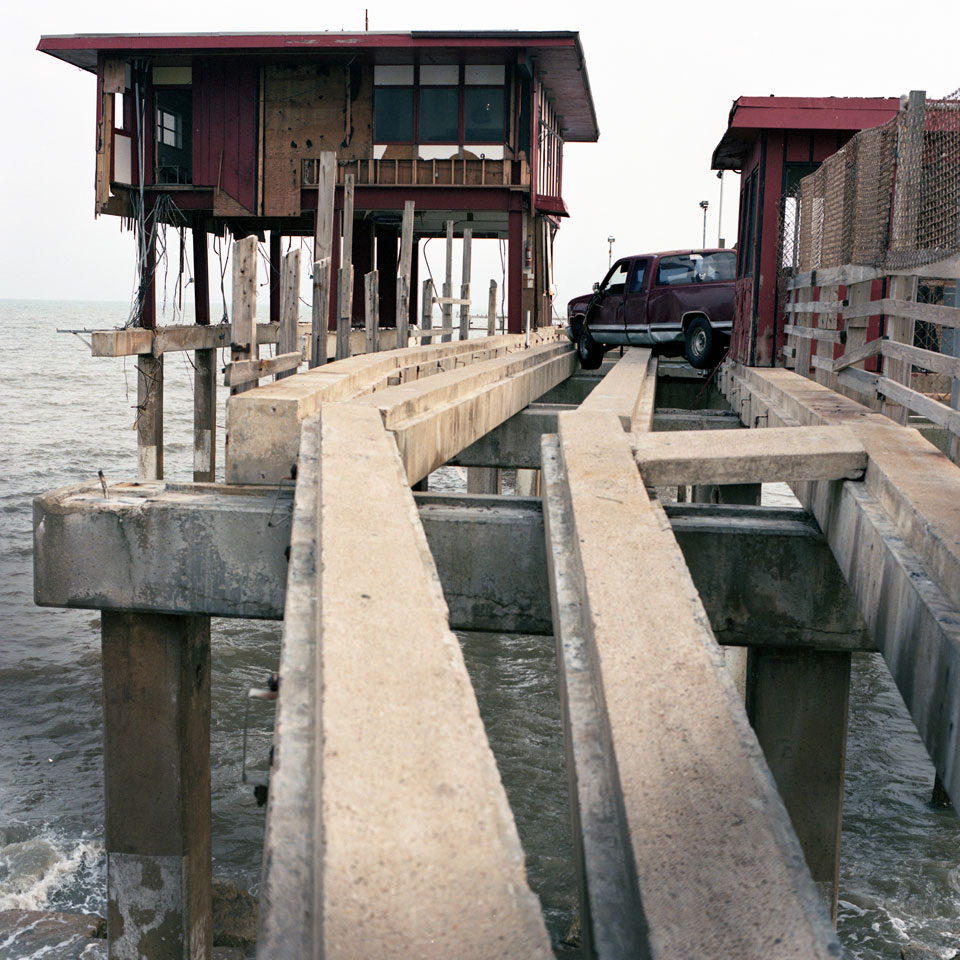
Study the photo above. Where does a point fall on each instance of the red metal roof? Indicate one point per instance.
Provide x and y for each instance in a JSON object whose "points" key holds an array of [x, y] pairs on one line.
{"points": [[557, 55], [750, 115]]}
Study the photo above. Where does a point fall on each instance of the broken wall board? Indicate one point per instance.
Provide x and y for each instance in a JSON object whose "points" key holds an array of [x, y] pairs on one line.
{"points": [[774, 455]]}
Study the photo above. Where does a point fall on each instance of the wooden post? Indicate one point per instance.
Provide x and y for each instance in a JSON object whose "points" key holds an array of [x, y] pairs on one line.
{"points": [[243, 333], [371, 311], [288, 341], [426, 314], [345, 285], [446, 309], [321, 297], [403, 278], [149, 417], [492, 309], [204, 371], [465, 284], [901, 330], [148, 308], [322, 253], [276, 293], [906, 198]]}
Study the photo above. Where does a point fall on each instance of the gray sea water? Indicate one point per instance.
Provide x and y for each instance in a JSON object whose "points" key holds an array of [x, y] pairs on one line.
{"points": [[66, 415]]}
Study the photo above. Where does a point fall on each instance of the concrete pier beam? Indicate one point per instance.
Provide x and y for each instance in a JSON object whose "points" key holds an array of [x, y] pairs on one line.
{"points": [[156, 709]]}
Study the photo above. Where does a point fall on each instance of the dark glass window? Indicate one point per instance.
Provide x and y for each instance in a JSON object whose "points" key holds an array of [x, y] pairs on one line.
{"points": [[393, 114], [483, 114], [439, 115], [636, 282]]}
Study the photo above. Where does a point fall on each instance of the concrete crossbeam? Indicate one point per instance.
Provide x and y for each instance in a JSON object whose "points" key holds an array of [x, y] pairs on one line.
{"points": [[695, 820], [896, 537], [263, 425], [173, 548], [428, 863], [814, 453]]}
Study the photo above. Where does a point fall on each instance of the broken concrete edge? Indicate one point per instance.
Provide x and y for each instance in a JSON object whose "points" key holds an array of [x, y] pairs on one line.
{"points": [[272, 414], [773, 880], [290, 910], [910, 615], [621, 390], [416, 732]]}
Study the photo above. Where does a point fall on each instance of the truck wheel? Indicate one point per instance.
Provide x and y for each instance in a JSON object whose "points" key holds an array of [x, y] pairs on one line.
{"points": [[589, 351], [699, 343]]}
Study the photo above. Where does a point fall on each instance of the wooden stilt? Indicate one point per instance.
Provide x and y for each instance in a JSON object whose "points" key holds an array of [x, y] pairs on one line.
{"points": [[275, 276], [492, 309], [446, 309], [322, 255], [289, 308], [403, 278], [345, 285], [426, 313], [371, 311], [204, 371], [465, 284], [244, 328]]}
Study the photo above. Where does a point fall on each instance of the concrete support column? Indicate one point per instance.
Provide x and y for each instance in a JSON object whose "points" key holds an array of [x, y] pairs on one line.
{"points": [[483, 480], [797, 702], [528, 483], [204, 372], [156, 706]]}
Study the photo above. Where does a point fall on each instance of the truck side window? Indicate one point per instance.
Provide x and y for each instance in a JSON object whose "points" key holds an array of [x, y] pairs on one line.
{"points": [[617, 280], [636, 282]]}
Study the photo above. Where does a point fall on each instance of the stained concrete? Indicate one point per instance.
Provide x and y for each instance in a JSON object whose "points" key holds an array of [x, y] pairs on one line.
{"points": [[718, 868]]}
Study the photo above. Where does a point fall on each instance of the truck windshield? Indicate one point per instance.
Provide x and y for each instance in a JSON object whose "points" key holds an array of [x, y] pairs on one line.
{"points": [[684, 268]]}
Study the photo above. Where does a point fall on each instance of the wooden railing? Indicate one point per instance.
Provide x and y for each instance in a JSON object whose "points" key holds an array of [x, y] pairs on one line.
{"points": [[454, 171], [843, 319]]}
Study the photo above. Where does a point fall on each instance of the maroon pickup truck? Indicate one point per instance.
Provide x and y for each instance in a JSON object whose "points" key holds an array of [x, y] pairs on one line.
{"points": [[683, 298]]}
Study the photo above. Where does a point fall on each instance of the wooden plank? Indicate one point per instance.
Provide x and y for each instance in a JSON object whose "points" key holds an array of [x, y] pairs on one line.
{"points": [[822, 307], [772, 455], [289, 307], [934, 362], [426, 317], [928, 312], [847, 274], [174, 338], [345, 284], [814, 333], [371, 310], [857, 354], [465, 284], [446, 305], [900, 329], [322, 255], [860, 381], [938, 413], [243, 372], [404, 273], [243, 322], [827, 321]]}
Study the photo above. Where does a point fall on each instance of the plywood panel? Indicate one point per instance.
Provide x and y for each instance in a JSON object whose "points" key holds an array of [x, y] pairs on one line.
{"points": [[309, 108]]}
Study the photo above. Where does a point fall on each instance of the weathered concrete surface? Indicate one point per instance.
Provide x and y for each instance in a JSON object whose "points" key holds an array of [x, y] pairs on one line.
{"points": [[797, 703], [418, 854], [814, 453], [163, 548], [156, 771], [667, 418], [434, 419], [896, 537], [469, 536], [627, 391], [767, 576], [516, 441], [263, 425], [719, 871]]}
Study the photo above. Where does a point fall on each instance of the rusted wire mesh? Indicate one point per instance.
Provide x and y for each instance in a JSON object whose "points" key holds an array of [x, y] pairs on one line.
{"points": [[890, 197]]}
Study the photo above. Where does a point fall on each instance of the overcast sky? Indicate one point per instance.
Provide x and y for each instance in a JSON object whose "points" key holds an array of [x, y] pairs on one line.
{"points": [[663, 76]]}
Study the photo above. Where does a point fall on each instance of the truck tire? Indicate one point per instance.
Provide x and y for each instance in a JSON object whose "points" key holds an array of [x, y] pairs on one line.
{"points": [[589, 351], [698, 343]]}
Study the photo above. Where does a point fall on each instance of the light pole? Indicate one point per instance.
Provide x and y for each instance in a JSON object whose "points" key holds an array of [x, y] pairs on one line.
{"points": [[611, 240], [720, 242], [703, 206]]}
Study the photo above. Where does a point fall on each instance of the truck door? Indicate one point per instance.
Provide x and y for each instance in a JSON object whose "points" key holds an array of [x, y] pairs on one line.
{"points": [[606, 319], [635, 301]]}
